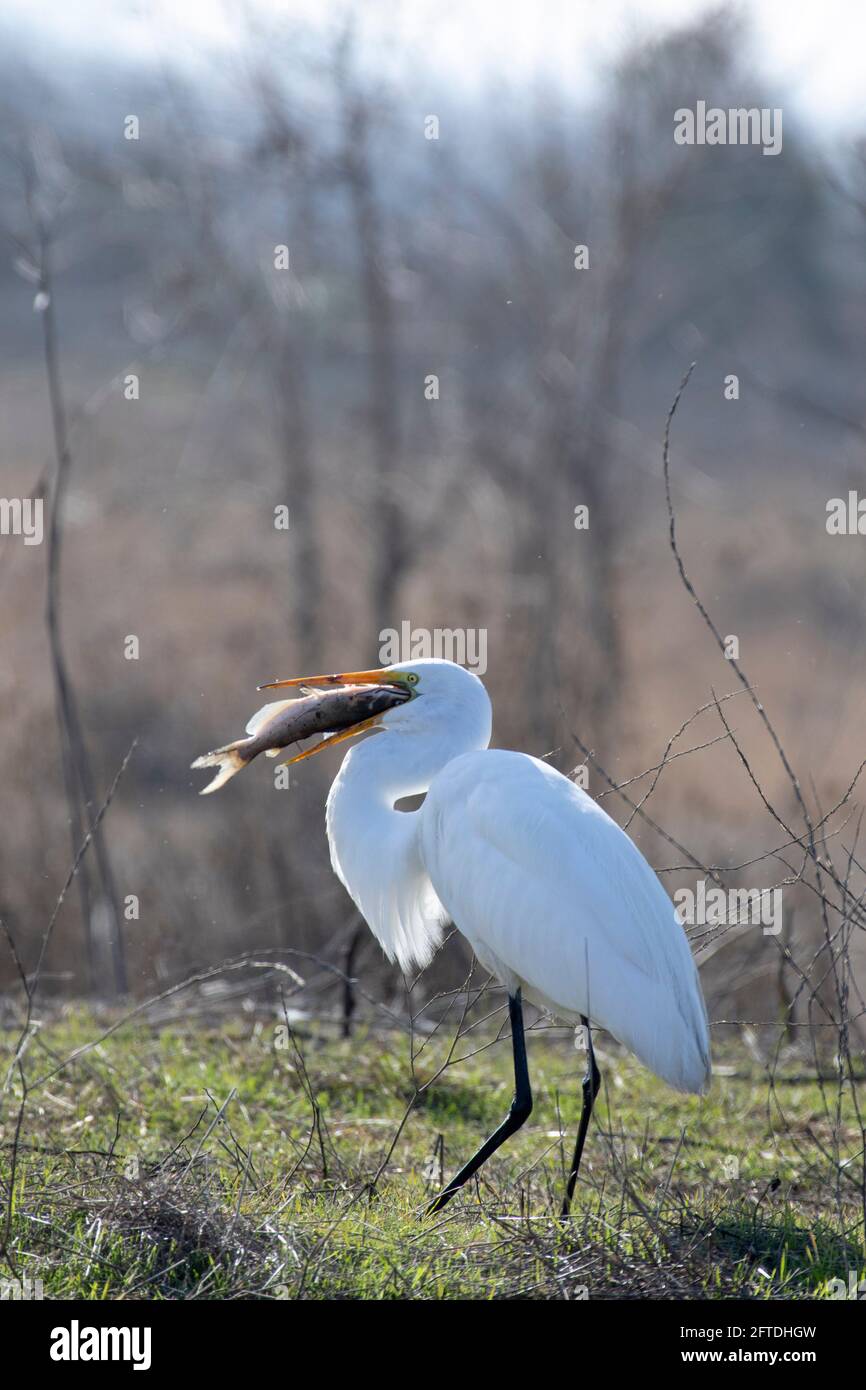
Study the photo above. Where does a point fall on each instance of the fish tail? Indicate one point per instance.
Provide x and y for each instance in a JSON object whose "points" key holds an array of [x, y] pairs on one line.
{"points": [[228, 760]]}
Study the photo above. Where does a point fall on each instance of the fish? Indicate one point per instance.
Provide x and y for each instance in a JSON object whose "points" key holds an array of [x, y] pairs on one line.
{"points": [[283, 722]]}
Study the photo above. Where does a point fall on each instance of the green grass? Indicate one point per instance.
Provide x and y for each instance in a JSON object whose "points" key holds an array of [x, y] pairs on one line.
{"points": [[203, 1161]]}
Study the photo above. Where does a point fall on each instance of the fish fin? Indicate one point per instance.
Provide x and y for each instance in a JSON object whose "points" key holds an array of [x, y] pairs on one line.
{"points": [[265, 714], [229, 760]]}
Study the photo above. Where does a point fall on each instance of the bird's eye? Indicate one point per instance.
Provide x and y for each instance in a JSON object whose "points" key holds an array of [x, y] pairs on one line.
{"points": [[411, 678]]}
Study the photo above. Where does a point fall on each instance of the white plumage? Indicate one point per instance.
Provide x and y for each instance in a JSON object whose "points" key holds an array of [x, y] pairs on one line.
{"points": [[552, 895]]}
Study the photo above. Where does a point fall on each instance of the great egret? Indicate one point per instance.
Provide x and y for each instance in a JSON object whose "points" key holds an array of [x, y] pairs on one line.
{"points": [[554, 898]]}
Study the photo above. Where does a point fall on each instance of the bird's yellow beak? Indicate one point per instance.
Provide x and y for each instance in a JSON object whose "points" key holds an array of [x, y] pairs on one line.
{"points": [[380, 677], [377, 677]]}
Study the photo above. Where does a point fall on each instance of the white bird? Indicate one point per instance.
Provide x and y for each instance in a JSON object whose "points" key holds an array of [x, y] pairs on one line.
{"points": [[553, 897]]}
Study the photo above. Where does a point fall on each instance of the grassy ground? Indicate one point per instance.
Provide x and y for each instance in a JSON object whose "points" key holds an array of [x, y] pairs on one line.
{"points": [[238, 1160]]}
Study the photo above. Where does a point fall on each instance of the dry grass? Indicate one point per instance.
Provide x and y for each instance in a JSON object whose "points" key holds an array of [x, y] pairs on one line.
{"points": [[202, 1161]]}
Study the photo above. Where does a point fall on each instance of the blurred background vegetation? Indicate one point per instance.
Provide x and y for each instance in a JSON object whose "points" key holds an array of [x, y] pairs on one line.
{"points": [[262, 387]]}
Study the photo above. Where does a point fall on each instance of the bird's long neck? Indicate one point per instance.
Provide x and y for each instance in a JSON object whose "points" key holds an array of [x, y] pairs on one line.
{"points": [[375, 848]]}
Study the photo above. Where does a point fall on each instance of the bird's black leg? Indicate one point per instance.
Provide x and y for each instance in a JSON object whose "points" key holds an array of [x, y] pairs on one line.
{"points": [[521, 1108], [591, 1083]]}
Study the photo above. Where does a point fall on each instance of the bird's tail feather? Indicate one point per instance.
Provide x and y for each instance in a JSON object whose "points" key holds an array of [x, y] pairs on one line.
{"points": [[229, 760]]}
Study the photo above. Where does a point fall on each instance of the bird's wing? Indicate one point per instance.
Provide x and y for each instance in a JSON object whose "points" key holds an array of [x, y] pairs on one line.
{"points": [[554, 896]]}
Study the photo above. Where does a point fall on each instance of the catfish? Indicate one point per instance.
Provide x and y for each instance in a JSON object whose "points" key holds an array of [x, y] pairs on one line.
{"points": [[284, 722]]}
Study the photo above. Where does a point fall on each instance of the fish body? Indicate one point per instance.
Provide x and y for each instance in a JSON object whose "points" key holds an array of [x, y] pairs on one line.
{"points": [[283, 722]]}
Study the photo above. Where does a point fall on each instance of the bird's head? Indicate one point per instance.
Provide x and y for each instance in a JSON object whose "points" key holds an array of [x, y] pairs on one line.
{"points": [[430, 695]]}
